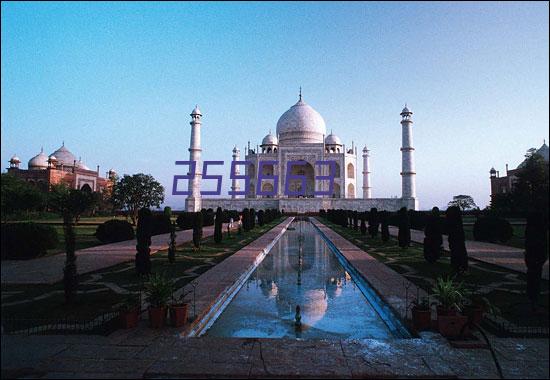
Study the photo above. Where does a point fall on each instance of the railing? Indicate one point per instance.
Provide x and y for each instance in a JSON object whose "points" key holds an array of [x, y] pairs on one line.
{"points": [[102, 324]]}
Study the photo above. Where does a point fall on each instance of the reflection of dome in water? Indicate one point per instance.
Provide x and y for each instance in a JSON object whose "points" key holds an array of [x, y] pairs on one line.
{"points": [[314, 306]]}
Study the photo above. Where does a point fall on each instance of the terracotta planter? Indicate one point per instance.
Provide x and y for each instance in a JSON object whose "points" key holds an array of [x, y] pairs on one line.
{"points": [[421, 318], [178, 314], [157, 315], [129, 318], [446, 312], [450, 326], [475, 313]]}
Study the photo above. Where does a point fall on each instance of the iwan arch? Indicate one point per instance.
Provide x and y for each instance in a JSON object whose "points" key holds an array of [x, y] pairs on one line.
{"points": [[301, 135]]}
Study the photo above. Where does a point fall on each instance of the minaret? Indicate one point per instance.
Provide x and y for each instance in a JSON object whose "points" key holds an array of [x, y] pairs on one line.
{"points": [[366, 174], [408, 172], [193, 200], [234, 182]]}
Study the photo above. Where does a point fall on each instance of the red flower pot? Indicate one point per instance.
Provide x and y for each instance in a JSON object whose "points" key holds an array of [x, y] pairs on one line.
{"points": [[157, 316], [421, 319], [129, 318], [475, 313], [178, 314], [451, 326], [445, 311]]}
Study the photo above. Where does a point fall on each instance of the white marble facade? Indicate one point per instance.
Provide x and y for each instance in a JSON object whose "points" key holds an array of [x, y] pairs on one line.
{"points": [[301, 135]]}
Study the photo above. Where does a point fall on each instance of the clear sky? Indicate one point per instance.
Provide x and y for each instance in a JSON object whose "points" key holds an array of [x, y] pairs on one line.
{"points": [[117, 82]]}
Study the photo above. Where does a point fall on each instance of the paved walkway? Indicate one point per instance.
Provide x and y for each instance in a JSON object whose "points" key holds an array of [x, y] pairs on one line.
{"points": [[49, 270], [500, 255]]}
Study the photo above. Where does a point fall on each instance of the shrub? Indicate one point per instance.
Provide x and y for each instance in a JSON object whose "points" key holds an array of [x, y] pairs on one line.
{"points": [[218, 226], [433, 240], [185, 220], [114, 230], [161, 224], [457, 245], [167, 211], [492, 228], [385, 231], [172, 243], [261, 218], [404, 234], [363, 226], [252, 220], [536, 253], [27, 240], [373, 222], [197, 229], [143, 235]]}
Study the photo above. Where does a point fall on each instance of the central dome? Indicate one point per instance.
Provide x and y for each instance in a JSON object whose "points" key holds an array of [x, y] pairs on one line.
{"points": [[301, 124]]}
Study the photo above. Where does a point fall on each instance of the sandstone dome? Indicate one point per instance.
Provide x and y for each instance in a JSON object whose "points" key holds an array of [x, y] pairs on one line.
{"points": [[301, 124]]}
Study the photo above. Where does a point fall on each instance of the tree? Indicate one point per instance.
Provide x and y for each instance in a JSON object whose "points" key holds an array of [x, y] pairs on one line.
{"points": [[218, 225], [530, 191], [433, 238], [70, 204], [131, 193], [143, 234], [404, 233], [385, 230], [457, 245], [536, 253], [363, 226], [246, 220], [18, 195], [373, 222], [197, 229], [172, 243], [464, 202]]}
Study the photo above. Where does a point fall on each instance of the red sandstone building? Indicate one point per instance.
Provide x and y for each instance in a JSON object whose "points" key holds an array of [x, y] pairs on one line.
{"points": [[60, 167], [503, 185]]}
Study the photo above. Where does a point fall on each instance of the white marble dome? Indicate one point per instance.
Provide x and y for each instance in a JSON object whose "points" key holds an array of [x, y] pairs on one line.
{"points": [[38, 162], [270, 140], [332, 139], [15, 159], [64, 156], [301, 124]]}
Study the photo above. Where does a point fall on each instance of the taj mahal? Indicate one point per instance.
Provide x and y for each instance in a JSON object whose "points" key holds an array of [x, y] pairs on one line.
{"points": [[301, 135]]}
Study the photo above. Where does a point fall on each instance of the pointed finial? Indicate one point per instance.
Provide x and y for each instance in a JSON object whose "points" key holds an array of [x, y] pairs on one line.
{"points": [[63, 143], [41, 149], [300, 93]]}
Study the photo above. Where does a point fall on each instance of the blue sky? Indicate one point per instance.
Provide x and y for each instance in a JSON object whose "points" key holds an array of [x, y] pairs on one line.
{"points": [[117, 81]]}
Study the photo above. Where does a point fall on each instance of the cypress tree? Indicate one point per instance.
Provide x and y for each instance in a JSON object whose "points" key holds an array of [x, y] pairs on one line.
{"points": [[246, 219], [143, 235], [218, 223], [197, 229], [404, 234], [385, 234], [261, 218], [363, 226], [252, 220], [433, 238], [373, 222], [355, 221], [172, 244], [457, 245], [536, 254]]}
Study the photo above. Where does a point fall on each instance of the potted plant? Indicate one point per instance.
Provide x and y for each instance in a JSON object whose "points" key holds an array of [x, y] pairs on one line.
{"points": [[421, 314], [179, 310], [450, 297], [476, 305], [129, 312], [158, 291]]}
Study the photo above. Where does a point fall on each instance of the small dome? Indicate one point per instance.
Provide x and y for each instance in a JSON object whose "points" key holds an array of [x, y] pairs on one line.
{"points": [[492, 170], [15, 159], [38, 162], [365, 149], [81, 165], [52, 158], [332, 139], [196, 111], [270, 140], [235, 149], [406, 110], [64, 156]]}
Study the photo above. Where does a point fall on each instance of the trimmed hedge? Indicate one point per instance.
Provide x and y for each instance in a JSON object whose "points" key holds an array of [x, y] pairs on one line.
{"points": [[491, 228], [114, 230], [22, 241], [161, 224]]}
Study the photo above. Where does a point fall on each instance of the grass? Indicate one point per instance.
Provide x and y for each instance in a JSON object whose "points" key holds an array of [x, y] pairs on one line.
{"points": [[517, 240], [504, 288], [51, 305]]}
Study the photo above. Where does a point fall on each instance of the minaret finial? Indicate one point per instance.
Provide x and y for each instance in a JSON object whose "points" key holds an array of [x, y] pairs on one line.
{"points": [[300, 93], [41, 149], [63, 143]]}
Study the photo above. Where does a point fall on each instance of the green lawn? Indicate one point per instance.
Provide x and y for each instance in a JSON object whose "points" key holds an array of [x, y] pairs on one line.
{"points": [[50, 303], [505, 289], [517, 240]]}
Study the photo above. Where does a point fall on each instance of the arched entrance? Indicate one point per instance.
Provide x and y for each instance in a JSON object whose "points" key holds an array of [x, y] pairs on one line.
{"points": [[295, 185]]}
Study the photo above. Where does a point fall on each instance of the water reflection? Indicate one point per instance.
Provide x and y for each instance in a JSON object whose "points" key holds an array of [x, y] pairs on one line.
{"points": [[300, 270]]}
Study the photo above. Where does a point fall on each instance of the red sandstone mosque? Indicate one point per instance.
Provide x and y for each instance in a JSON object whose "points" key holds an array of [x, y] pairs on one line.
{"points": [[60, 167]]}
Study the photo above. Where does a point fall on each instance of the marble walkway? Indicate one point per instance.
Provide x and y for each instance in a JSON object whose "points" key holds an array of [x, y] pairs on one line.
{"points": [[501, 255], [49, 270]]}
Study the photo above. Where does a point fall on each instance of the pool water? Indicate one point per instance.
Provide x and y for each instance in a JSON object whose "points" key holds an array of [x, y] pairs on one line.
{"points": [[300, 270]]}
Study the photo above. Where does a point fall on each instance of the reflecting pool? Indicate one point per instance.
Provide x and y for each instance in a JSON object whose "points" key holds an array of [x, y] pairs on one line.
{"points": [[300, 270]]}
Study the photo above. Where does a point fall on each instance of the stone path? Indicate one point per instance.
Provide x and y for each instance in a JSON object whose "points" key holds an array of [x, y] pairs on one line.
{"points": [[49, 270], [500, 255]]}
